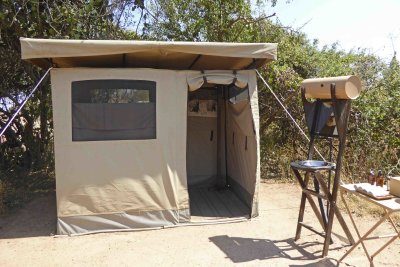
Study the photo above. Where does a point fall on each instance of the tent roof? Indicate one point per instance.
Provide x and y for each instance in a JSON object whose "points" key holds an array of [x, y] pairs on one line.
{"points": [[147, 54]]}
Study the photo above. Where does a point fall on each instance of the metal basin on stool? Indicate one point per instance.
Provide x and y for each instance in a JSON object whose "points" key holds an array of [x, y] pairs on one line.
{"points": [[313, 165]]}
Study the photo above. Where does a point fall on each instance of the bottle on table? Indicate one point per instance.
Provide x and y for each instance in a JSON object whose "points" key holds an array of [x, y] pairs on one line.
{"points": [[371, 177], [380, 180]]}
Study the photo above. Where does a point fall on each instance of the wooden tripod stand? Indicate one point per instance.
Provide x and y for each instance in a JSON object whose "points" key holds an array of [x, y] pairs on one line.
{"points": [[321, 124]]}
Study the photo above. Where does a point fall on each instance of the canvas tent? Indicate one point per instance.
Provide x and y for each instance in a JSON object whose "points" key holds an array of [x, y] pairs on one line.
{"points": [[152, 134]]}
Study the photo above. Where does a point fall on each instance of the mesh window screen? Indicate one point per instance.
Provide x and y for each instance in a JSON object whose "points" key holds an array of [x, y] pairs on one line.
{"points": [[237, 94], [113, 110]]}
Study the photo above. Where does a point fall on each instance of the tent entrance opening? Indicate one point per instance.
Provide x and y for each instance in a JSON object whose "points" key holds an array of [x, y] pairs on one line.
{"points": [[212, 198]]}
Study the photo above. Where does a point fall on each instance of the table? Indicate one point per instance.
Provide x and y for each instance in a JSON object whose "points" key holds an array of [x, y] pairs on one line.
{"points": [[390, 206]]}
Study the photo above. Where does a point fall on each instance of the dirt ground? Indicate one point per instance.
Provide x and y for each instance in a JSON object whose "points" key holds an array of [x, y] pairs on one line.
{"points": [[26, 240]]}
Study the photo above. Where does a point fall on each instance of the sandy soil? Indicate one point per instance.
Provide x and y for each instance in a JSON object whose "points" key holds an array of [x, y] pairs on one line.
{"points": [[26, 240]]}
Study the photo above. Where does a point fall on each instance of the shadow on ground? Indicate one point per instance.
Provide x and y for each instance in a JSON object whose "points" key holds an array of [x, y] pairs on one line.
{"points": [[240, 250], [37, 218]]}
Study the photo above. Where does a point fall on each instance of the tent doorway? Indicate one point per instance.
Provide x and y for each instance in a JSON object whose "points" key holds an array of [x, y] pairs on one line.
{"points": [[211, 196]]}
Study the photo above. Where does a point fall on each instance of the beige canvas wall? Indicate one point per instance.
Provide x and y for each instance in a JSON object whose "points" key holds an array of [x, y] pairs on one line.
{"points": [[243, 146], [122, 177], [253, 91], [202, 151], [114, 185]]}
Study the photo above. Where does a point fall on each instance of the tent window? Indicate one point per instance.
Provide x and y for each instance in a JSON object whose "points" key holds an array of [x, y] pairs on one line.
{"points": [[119, 96], [113, 110]]}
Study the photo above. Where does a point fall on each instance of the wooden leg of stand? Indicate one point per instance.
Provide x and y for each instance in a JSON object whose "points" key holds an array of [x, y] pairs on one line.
{"points": [[329, 229], [332, 207], [304, 196], [316, 211], [303, 185], [337, 211], [344, 226], [301, 216]]}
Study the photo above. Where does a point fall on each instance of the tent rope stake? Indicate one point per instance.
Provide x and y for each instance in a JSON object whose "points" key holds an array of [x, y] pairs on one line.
{"points": [[287, 112], [23, 103]]}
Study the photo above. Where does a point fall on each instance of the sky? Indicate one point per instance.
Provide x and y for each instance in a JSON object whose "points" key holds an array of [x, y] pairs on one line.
{"points": [[371, 24]]}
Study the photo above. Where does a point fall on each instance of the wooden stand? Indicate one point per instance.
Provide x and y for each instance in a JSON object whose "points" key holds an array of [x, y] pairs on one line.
{"points": [[319, 122]]}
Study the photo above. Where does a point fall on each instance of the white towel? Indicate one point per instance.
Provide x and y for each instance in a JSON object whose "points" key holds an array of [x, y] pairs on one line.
{"points": [[372, 190]]}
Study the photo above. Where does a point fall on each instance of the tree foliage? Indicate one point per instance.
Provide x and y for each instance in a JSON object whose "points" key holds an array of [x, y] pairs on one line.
{"points": [[203, 20], [80, 19], [27, 146]]}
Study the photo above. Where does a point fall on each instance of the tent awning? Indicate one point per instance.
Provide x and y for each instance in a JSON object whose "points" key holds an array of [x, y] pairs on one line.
{"points": [[147, 54]]}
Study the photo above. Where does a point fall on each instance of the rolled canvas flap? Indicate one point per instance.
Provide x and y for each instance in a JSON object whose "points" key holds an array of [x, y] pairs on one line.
{"points": [[195, 81], [347, 87]]}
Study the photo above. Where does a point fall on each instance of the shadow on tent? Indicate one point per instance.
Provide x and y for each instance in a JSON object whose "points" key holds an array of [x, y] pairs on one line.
{"points": [[239, 250]]}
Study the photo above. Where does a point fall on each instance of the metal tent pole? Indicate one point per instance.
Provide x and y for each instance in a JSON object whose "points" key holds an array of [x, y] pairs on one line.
{"points": [[225, 132], [23, 103]]}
